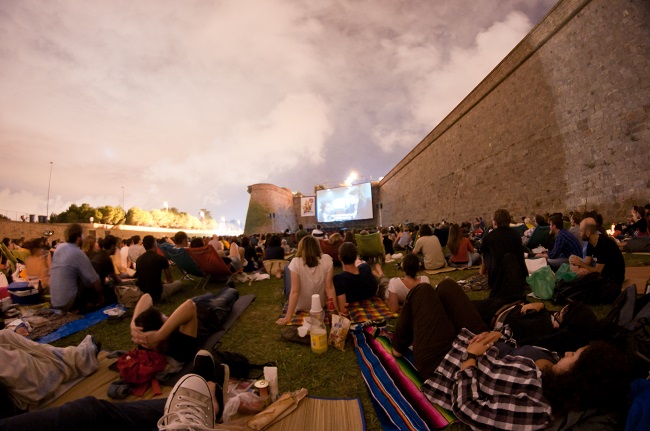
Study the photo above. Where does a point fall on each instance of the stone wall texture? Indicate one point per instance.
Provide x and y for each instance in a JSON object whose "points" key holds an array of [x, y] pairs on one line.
{"points": [[562, 123], [267, 199]]}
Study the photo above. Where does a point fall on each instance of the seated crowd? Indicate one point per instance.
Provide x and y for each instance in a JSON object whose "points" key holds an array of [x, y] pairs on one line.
{"points": [[538, 368]]}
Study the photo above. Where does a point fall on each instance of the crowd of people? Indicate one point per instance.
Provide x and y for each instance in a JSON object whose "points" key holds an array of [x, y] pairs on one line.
{"points": [[522, 376]]}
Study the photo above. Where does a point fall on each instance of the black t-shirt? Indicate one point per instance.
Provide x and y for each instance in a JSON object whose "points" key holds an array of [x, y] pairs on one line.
{"points": [[388, 245], [607, 252], [103, 265], [149, 268], [356, 287], [276, 252], [495, 245]]}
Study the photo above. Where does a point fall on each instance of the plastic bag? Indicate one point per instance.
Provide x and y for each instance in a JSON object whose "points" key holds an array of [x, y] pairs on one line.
{"points": [[565, 273], [245, 403], [340, 328], [542, 282]]}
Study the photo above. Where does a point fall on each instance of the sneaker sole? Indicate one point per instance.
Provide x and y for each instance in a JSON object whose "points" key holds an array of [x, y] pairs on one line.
{"points": [[224, 390]]}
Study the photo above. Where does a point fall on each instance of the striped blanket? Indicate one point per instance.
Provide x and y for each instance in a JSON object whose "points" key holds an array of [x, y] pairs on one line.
{"points": [[394, 385], [361, 311]]}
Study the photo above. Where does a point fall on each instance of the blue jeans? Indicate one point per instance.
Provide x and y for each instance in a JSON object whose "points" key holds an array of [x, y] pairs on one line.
{"points": [[91, 413]]}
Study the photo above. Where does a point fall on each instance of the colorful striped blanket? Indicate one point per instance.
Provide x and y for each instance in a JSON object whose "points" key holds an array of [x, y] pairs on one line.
{"points": [[361, 311], [394, 385]]}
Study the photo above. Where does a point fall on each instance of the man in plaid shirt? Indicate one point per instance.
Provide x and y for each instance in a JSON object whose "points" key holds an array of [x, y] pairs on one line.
{"points": [[566, 244], [491, 392]]}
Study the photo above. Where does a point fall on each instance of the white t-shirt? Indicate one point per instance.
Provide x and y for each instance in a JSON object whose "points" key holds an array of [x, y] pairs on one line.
{"points": [[312, 280], [216, 244], [124, 254], [432, 251], [396, 286]]}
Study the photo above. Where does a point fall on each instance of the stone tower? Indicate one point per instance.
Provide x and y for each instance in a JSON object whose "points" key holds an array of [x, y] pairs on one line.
{"points": [[270, 209]]}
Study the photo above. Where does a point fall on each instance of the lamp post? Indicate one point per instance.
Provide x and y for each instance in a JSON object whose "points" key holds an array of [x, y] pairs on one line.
{"points": [[123, 208], [47, 206]]}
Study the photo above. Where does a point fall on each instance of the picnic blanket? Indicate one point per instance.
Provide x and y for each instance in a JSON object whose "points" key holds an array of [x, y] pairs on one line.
{"points": [[450, 269], [97, 383], [394, 385], [361, 311], [88, 320]]}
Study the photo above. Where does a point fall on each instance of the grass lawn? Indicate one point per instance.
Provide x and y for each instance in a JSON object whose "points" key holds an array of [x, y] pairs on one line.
{"points": [[334, 374]]}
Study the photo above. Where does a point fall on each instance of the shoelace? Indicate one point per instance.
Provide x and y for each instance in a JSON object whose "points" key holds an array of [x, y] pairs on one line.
{"points": [[189, 415]]}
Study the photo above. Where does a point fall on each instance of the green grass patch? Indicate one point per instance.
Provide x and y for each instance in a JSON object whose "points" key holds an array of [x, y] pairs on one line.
{"points": [[334, 374]]}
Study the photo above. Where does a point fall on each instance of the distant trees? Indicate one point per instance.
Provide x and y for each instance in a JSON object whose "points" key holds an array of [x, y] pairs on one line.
{"points": [[168, 218]]}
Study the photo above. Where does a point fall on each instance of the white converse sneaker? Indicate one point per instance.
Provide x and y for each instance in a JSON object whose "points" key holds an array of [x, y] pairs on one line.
{"points": [[189, 406]]}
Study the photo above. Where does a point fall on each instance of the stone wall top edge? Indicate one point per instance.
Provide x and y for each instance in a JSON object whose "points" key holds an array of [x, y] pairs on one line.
{"points": [[554, 20]]}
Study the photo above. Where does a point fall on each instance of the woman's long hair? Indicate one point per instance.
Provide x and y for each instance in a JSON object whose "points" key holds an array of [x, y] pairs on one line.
{"points": [[309, 251], [455, 236], [597, 380]]}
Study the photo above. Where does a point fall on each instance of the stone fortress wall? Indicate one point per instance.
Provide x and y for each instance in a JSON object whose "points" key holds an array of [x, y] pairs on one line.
{"points": [[562, 123]]}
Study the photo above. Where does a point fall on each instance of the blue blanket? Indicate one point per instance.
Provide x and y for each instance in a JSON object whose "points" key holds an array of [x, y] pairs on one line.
{"points": [[89, 319]]}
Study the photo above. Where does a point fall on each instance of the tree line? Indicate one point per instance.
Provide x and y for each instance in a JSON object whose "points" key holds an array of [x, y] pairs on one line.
{"points": [[166, 218]]}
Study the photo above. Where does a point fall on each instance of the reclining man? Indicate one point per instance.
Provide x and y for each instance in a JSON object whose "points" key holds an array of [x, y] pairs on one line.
{"points": [[195, 403], [182, 333]]}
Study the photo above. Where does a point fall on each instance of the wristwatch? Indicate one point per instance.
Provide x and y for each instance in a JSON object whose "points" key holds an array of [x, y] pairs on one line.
{"points": [[467, 355]]}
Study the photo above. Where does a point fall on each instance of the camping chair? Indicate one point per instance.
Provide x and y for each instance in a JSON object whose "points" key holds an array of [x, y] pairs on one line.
{"points": [[11, 259], [331, 249], [210, 263], [539, 237], [185, 263], [370, 246]]}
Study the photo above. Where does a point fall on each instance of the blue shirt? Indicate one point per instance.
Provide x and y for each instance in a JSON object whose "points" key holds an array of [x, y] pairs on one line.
{"points": [[70, 266], [565, 245]]}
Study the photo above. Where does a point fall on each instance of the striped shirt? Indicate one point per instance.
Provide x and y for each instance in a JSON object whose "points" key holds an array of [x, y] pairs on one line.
{"points": [[500, 393]]}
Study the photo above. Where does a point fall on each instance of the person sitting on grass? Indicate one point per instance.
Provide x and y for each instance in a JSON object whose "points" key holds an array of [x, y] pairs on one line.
{"points": [[565, 244], [429, 245], [182, 333], [461, 248], [74, 283], [399, 287], [487, 380], [196, 402], [311, 273], [149, 269], [356, 282]]}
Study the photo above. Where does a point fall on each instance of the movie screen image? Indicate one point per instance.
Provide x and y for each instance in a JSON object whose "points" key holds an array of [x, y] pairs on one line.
{"points": [[344, 203]]}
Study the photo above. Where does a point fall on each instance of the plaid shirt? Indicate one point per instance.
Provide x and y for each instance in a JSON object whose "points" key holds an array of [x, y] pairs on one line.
{"points": [[502, 393], [565, 245]]}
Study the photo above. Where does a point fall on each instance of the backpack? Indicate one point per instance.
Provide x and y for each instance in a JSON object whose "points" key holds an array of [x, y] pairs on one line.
{"points": [[590, 289], [139, 367], [628, 325]]}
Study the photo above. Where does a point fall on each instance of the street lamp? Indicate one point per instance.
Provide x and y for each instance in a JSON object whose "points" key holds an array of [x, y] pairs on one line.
{"points": [[123, 207], [47, 206]]}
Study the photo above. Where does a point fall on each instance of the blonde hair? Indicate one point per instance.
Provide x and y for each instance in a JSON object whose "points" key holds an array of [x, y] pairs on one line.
{"points": [[334, 238], [309, 251]]}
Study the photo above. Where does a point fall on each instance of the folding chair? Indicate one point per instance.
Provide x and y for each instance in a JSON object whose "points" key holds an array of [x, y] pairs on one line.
{"points": [[210, 263], [185, 264]]}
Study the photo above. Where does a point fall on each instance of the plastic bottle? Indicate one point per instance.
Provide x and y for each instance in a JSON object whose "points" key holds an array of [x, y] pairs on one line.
{"points": [[317, 332], [330, 311]]}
